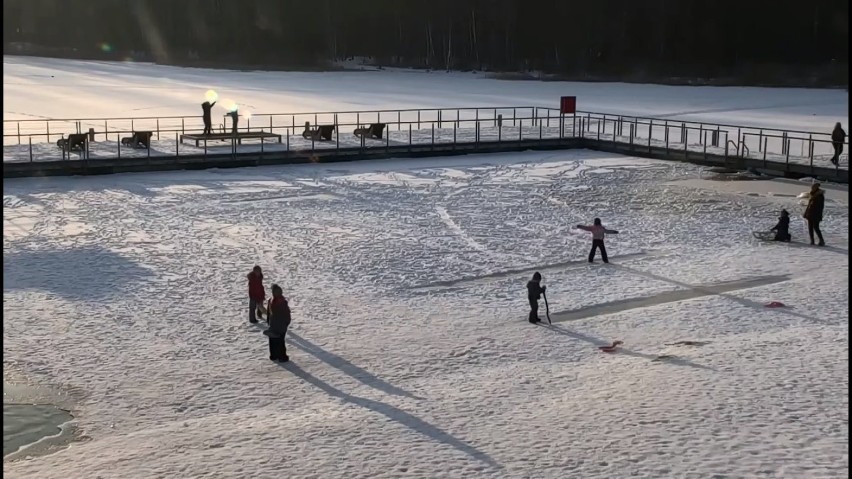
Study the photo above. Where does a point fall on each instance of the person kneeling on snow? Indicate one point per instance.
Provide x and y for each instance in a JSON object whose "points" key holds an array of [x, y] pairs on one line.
{"points": [[782, 229], [598, 232], [534, 290], [279, 320]]}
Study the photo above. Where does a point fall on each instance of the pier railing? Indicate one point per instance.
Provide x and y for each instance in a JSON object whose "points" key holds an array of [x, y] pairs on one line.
{"points": [[35, 139]]}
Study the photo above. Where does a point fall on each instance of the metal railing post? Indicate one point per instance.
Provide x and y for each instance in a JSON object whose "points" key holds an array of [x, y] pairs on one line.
{"points": [[650, 134], [811, 149], [787, 148], [765, 140]]}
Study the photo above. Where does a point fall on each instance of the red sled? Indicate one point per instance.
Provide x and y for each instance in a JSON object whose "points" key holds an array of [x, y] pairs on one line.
{"points": [[775, 304], [611, 349]]}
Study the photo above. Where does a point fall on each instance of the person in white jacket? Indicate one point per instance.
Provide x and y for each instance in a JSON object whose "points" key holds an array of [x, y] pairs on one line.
{"points": [[598, 233]]}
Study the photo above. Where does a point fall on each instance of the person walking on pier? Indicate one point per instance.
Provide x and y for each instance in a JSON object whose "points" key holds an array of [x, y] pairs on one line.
{"points": [[838, 136], [206, 108]]}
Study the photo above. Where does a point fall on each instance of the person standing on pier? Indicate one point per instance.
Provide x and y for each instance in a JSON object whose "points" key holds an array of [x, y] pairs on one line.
{"points": [[206, 108], [838, 136], [235, 115]]}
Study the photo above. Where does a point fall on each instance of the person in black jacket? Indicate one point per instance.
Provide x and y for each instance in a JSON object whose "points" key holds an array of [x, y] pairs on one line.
{"points": [[782, 229], [235, 119], [278, 316], [534, 290], [813, 212], [838, 136], [206, 108]]}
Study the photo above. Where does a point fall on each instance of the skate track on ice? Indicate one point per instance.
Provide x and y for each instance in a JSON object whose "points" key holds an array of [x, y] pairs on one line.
{"points": [[138, 284]]}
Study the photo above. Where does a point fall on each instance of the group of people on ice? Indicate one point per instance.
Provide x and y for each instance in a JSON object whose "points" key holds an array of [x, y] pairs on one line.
{"points": [[534, 287], [277, 312], [813, 216]]}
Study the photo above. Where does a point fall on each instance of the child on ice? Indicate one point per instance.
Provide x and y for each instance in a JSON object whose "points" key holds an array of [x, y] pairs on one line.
{"points": [[598, 232], [279, 320], [256, 292], [534, 290], [782, 229]]}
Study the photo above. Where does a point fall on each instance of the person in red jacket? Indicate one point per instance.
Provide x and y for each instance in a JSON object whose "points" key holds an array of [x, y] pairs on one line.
{"points": [[256, 292]]}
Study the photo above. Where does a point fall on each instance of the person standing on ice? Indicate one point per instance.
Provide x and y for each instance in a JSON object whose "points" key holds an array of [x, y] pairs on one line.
{"points": [[838, 136], [279, 321], [598, 232], [813, 212], [534, 291], [256, 292], [206, 109]]}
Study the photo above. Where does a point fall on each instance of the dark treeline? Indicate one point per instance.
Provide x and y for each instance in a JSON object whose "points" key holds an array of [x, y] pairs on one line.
{"points": [[601, 39]]}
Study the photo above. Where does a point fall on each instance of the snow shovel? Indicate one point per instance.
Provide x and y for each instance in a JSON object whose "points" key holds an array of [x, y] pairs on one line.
{"points": [[546, 307]]}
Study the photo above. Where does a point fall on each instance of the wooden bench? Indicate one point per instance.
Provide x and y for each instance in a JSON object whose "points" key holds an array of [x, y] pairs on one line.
{"points": [[322, 132], [75, 141], [375, 131], [140, 139], [248, 135]]}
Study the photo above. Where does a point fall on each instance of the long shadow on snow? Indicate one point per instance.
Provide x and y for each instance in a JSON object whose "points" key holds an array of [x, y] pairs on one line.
{"points": [[346, 367], [87, 273], [600, 342], [830, 249], [397, 415], [743, 301]]}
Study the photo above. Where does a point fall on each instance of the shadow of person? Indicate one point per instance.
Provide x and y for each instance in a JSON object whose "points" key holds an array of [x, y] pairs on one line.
{"points": [[393, 413], [356, 372]]}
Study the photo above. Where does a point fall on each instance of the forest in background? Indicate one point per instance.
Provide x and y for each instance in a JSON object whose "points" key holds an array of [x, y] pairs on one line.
{"points": [[783, 42]]}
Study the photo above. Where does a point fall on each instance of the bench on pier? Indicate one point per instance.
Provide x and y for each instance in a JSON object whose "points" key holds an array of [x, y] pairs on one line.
{"points": [[140, 139], [375, 131], [240, 136], [322, 132], [75, 141]]}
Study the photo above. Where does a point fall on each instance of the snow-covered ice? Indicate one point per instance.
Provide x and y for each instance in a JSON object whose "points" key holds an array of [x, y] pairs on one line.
{"points": [[411, 353]]}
